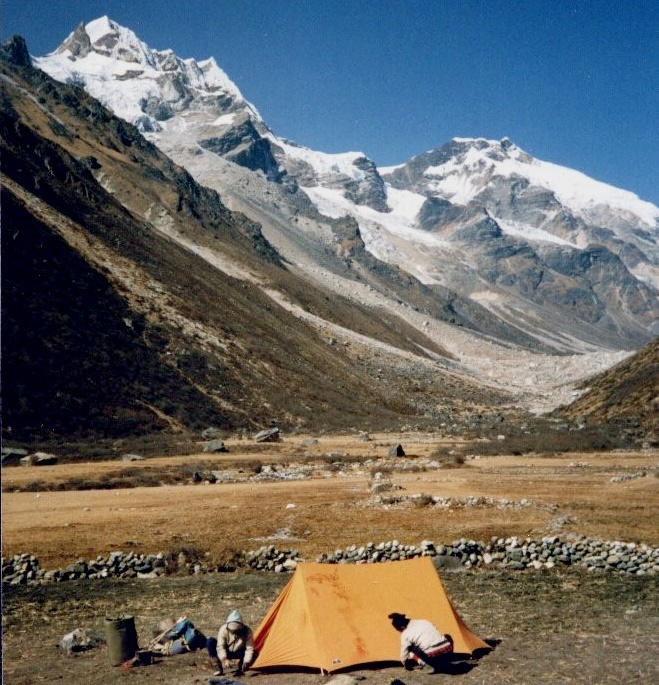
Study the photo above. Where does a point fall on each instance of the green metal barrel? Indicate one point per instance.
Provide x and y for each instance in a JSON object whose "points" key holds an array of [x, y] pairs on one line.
{"points": [[121, 639]]}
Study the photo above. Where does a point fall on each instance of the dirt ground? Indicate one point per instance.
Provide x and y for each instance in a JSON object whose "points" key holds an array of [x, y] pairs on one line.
{"points": [[547, 628], [559, 626]]}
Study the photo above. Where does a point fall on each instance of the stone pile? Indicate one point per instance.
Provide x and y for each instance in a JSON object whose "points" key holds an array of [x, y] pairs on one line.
{"points": [[372, 553], [269, 558], [629, 476], [22, 569], [268, 472], [380, 486], [513, 554], [623, 557], [504, 553], [277, 472], [494, 502]]}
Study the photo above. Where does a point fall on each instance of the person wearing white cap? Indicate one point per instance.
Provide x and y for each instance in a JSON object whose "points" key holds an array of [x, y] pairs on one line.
{"points": [[235, 641]]}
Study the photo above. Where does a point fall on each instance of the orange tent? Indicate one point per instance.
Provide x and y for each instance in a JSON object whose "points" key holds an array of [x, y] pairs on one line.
{"points": [[333, 616]]}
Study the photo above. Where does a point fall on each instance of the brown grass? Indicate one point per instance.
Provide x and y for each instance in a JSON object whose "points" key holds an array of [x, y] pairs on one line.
{"points": [[332, 510], [561, 626]]}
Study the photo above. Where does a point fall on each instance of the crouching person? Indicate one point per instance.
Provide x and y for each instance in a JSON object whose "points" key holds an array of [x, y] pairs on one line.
{"points": [[421, 643], [235, 642]]}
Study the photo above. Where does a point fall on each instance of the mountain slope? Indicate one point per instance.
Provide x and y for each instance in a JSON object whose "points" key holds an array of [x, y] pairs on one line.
{"points": [[135, 301], [141, 296], [528, 252], [628, 390]]}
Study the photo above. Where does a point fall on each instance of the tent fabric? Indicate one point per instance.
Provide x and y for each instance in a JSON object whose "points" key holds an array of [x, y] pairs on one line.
{"points": [[334, 616]]}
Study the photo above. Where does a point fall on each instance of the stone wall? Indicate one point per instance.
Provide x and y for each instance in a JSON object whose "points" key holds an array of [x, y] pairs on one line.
{"points": [[513, 554]]}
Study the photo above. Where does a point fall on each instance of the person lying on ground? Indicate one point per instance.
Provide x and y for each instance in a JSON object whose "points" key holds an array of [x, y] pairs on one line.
{"points": [[180, 638]]}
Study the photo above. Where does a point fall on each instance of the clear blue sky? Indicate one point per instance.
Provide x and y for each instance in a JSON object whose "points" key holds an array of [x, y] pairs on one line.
{"points": [[575, 82]]}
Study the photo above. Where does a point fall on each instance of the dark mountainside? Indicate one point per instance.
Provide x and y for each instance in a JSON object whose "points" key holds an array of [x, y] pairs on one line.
{"points": [[136, 304], [627, 391], [111, 328]]}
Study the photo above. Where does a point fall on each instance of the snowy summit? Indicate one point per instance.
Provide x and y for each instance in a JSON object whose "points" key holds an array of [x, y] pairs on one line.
{"points": [[141, 85], [481, 217]]}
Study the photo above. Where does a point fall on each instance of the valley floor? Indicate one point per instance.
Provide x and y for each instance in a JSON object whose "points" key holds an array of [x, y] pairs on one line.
{"points": [[546, 628], [552, 626]]}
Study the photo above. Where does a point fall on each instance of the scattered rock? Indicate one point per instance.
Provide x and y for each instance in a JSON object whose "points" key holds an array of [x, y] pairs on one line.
{"points": [[345, 679], [81, 639], [212, 434], [448, 563], [215, 446], [268, 435]]}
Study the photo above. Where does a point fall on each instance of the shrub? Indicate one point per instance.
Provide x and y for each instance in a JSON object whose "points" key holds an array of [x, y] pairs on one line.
{"points": [[558, 438], [253, 465], [443, 453], [182, 558], [422, 500], [228, 559], [32, 486]]}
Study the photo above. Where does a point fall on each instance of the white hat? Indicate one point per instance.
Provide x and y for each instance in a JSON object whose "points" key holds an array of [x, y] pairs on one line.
{"points": [[234, 617]]}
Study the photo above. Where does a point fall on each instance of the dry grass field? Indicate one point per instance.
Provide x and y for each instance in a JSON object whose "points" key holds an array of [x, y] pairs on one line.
{"points": [[564, 626], [332, 509]]}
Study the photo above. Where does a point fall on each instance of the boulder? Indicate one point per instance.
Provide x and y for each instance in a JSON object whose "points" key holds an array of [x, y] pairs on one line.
{"points": [[131, 457], [268, 435], [211, 434], [44, 459], [215, 446], [39, 459]]}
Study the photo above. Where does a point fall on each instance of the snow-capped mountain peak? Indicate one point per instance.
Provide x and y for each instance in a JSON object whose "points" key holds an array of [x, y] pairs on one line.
{"points": [[476, 162], [482, 217], [112, 40], [144, 86]]}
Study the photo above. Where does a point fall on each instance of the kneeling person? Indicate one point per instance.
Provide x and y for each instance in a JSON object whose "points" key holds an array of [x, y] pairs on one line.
{"points": [[421, 643]]}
